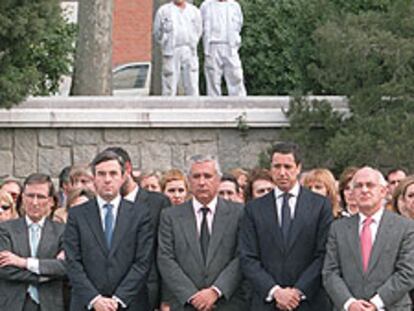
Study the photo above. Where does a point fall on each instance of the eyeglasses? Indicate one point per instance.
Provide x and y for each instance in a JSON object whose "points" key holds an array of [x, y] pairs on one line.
{"points": [[4, 208]]}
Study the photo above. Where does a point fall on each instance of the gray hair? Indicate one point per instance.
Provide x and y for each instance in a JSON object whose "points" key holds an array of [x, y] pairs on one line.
{"points": [[199, 158], [380, 176]]}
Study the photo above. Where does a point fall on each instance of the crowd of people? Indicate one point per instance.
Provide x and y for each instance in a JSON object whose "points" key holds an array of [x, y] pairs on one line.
{"points": [[114, 238]]}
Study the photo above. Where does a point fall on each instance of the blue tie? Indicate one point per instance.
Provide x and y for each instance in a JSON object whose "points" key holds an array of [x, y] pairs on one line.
{"points": [[109, 223], [34, 237]]}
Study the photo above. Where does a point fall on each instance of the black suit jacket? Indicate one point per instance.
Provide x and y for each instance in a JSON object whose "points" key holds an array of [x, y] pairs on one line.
{"points": [[120, 271], [156, 202], [266, 260], [14, 281]]}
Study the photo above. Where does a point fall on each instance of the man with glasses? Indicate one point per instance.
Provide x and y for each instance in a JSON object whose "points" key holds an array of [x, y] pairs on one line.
{"points": [[369, 263], [31, 256]]}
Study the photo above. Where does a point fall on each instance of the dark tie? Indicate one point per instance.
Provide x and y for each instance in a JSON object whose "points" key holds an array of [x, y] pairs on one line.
{"points": [[204, 233], [109, 222], [286, 215]]}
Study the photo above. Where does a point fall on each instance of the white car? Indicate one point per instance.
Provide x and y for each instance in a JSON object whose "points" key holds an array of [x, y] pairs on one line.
{"points": [[132, 79]]}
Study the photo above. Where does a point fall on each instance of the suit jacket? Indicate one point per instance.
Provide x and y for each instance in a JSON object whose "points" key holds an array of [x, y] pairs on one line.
{"points": [[265, 259], [181, 264], [155, 202], [14, 281], [120, 271], [390, 269]]}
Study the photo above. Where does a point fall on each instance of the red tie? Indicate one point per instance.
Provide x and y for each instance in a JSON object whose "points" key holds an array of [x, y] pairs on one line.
{"points": [[366, 242]]}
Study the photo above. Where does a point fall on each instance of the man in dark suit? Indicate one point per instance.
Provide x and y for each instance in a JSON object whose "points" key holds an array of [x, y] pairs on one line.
{"points": [[282, 240], [197, 248], [108, 245], [155, 202], [369, 263], [31, 253]]}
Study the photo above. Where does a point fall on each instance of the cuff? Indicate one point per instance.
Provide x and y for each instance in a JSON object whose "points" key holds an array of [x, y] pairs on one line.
{"points": [[119, 301], [377, 302], [269, 297], [33, 265], [348, 303], [217, 290], [90, 305]]}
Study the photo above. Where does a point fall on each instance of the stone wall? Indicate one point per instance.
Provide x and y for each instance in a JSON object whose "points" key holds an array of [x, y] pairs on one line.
{"points": [[23, 151], [47, 134]]}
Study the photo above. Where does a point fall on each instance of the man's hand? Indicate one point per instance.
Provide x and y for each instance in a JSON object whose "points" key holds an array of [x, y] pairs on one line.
{"points": [[61, 255], [9, 259], [105, 304], [287, 298], [164, 306], [361, 305], [205, 299]]}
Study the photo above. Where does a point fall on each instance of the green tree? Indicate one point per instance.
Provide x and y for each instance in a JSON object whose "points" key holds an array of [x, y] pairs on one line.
{"points": [[368, 57], [35, 49]]}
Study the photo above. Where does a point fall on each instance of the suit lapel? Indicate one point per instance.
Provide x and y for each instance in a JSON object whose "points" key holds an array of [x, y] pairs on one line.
{"points": [[189, 227], [93, 217], [221, 219], [299, 218], [141, 196], [121, 226], [381, 239], [269, 212], [354, 243]]}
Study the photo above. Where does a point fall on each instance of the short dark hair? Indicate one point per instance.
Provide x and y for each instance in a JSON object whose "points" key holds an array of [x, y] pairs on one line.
{"points": [[39, 178], [231, 178], [64, 176], [395, 170], [288, 148], [107, 155], [120, 152]]}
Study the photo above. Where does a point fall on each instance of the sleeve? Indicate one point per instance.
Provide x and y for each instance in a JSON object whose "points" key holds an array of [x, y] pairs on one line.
{"points": [[172, 274], [136, 278]]}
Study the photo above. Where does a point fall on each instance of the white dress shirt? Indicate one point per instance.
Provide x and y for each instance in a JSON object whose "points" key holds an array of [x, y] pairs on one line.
{"points": [[199, 214], [294, 193], [132, 195], [376, 218], [32, 262]]}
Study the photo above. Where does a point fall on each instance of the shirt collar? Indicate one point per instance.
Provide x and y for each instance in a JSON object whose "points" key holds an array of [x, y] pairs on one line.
{"points": [[376, 217], [132, 195], [293, 192], [211, 205], [41, 222], [115, 202]]}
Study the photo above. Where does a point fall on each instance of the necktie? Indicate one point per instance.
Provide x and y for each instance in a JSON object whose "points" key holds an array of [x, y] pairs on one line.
{"points": [[286, 216], [204, 233], [366, 242], [109, 223], [34, 243]]}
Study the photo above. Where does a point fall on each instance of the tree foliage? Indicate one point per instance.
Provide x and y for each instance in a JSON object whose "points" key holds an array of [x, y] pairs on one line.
{"points": [[35, 48], [369, 57]]}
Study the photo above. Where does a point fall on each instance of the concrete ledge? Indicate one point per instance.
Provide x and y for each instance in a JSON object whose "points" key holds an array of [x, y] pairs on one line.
{"points": [[153, 112]]}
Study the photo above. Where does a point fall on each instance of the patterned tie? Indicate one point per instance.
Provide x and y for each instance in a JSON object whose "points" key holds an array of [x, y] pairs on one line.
{"points": [[204, 233], [34, 237], [366, 242], [286, 216], [109, 223]]}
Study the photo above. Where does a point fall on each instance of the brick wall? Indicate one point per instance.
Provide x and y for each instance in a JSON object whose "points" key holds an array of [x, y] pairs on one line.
{"points": [[132, 31]]}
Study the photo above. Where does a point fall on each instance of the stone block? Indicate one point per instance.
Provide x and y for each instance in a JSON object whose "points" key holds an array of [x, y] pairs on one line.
{"points": [[264, 135], [25, 152], [139, 135], [178, 159], [6, 139], [52, 161], [66, 137], [117, 135], [201, 148], [84, 153], [6, 163], [48, 137], [249, 153], [229, 144], [155, 156], [202, 135], [89, 136]]}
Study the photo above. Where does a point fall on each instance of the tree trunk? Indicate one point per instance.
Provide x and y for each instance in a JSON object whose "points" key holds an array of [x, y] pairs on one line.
{"points": [[93, 59]]}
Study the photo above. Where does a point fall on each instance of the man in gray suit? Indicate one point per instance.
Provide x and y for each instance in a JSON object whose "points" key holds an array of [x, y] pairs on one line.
{"points": [[197, 248], [369, 264], [31, 256]]}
